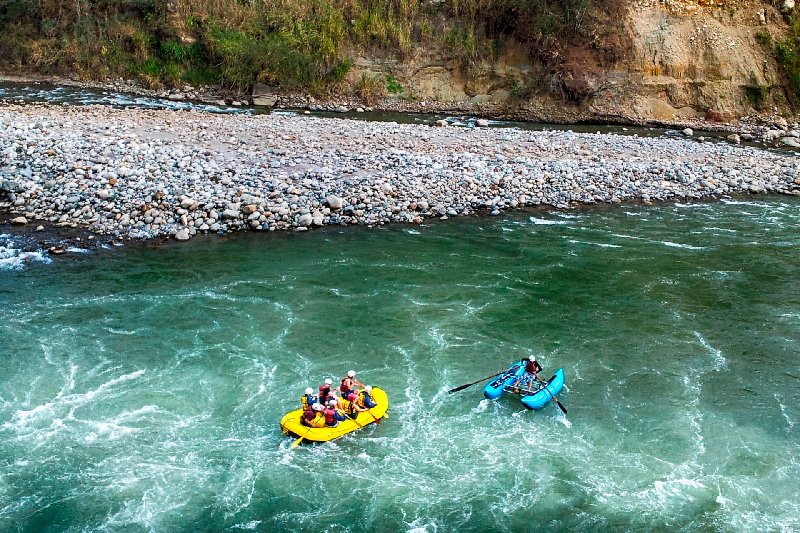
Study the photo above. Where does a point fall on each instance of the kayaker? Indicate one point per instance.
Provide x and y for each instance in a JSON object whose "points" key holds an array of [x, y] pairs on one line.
{"points": [[349, 383], [332, 415], [366, 397], [324, 391], [313, 416], [308, 399], [532, 366]]}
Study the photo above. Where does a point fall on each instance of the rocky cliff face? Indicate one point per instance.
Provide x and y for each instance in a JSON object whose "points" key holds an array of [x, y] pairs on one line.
{"points": [[688, 61]]}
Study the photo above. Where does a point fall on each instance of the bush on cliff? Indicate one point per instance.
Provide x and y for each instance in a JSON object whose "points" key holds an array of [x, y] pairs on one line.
{"points": [[300, 43]]}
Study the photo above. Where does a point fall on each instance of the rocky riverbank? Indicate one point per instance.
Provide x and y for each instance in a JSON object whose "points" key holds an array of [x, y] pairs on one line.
{"points": [[147, 173]]}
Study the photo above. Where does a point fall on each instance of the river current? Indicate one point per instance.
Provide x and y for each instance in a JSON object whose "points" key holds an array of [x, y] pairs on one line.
{"points": [[141, 387]]}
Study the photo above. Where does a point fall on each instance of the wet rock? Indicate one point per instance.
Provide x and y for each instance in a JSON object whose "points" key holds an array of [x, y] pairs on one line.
{"points": [[334, 202], [182, 235], [305, 220], [791, 141], [19, 221]]}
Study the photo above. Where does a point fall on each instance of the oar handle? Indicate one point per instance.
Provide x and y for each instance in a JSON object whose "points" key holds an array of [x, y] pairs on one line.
{"points": [[462, 387]]}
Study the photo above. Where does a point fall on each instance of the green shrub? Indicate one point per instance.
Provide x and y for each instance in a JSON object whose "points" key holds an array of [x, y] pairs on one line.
{"points": [[393, 86]]}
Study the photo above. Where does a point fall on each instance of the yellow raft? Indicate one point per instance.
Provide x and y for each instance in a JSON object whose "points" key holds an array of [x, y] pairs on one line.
{"points": [[290, 423]]}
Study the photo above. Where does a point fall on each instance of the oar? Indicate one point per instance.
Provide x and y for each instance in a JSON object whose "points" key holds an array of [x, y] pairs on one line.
{"points": [[375, 418], [560, 406], [296, 443], [462, 387]]}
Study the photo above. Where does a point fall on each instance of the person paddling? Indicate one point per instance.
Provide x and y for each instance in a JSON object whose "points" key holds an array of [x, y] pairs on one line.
{"points": [[351, 405], [365, 397], [308, 399], [325, 391], [313, 416], [332, 415], [349, 383], [532, 366]]}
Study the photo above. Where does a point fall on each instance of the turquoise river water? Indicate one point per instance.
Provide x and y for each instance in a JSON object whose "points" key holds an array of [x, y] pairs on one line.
{"points": [[141, 387]]}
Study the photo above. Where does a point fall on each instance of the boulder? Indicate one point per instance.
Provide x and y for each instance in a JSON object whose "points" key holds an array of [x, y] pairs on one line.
{"points": [[772, 135], [734, 138], [688, 132], [182, 235], [230, 213], [790, 141], [10, 186], [265, 101], [787, 6], [305, 220], [482, 122], [441, 123], [19, 221], [334, 202]]}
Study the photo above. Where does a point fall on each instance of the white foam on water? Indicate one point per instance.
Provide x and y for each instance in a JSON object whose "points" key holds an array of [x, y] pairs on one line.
{"points": [[76, 250], [548, 222], [720, 362], [598, 244], [623, 236], [785, 415], [422, 525], [29, 422], [249, 526], [683, 246], [13, 259], [413, 231]]}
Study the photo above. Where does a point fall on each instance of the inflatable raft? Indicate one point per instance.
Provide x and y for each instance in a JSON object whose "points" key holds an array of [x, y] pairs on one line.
{"points": [[537, 399], [290, 423]]}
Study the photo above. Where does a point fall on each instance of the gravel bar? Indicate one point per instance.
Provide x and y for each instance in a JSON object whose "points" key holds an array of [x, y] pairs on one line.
{"points": [[152, 173]]}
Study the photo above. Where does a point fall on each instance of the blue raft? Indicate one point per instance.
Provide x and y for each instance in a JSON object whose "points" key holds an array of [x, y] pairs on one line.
{"points": [[537, 399]]}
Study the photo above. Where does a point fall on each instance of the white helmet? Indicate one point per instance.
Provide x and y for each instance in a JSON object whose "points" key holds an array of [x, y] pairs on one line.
{"points": [[309, 390], [331, 402], [368, 388], [351, 373], [532, 358], [317, 407], [328, 381]]}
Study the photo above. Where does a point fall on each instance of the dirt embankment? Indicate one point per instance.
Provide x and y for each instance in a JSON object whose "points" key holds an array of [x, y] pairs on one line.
{"points": [[689, 61]]}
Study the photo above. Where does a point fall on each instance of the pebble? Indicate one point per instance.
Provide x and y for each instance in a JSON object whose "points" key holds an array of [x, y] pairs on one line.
{"points": [[224, 173]]}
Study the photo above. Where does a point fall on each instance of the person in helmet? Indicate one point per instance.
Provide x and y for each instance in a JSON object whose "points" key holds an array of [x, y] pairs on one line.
{"points": [[532, 367], [325, 391], [351, 405], [332, 415], [365, 397], [349, 383], [308, 399], [313, 416]]}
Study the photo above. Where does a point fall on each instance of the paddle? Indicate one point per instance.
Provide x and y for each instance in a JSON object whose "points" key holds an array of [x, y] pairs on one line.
{"points": [[462, 387], [560, 406], [296, 443]]}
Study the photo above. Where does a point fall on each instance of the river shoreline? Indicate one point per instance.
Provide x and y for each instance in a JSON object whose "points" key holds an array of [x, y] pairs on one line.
{"points": [[150, 174], [756, 125]]}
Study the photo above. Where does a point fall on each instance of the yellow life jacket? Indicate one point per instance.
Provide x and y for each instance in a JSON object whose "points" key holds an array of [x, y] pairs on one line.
{"points": [[304, 401], [319, 421], [347, 406]]}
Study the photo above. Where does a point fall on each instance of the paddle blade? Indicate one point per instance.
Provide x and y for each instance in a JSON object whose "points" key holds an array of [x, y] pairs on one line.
{"points": [[560, 406], [296, 443], [461, 387]]}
